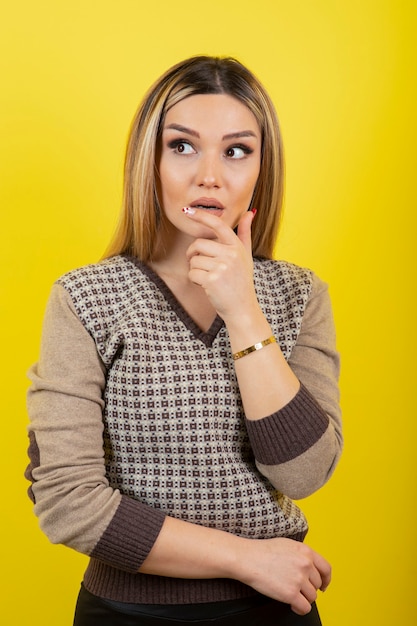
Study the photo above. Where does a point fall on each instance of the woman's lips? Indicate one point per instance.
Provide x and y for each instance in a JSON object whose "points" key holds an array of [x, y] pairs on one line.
{"points": [[207, 203]]}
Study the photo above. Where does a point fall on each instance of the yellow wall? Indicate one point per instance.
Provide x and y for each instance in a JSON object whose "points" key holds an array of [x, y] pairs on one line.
{"points": [[343, 77]]}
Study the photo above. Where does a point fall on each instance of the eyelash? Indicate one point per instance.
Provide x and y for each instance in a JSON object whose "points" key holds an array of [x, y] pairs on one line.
{"points": [[245, 149], [175, 143]]}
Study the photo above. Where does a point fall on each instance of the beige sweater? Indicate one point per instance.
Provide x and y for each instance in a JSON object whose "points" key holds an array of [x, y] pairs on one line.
{"points": [[136, 414]]}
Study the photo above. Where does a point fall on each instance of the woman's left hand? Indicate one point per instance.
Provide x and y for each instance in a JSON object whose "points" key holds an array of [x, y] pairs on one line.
{"points": [[223, 266]]}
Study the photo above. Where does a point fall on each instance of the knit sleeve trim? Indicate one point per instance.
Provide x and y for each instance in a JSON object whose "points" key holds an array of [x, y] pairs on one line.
{"points": [[289, 432], [129, 537]]}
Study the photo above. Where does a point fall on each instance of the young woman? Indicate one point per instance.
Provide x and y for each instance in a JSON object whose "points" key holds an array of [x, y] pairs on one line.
{"points": [[187, 389]]}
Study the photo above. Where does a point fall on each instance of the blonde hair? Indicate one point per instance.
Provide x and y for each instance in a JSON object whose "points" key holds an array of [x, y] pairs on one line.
{"points": [[140, 217]]}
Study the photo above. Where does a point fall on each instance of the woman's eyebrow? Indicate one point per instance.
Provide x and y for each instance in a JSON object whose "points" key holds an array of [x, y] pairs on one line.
{"points": [[183, 129], [241, 133], [194, 133]]}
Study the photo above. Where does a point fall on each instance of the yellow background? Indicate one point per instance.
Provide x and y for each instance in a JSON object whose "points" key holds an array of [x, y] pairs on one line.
{"points": [[343, 77]]}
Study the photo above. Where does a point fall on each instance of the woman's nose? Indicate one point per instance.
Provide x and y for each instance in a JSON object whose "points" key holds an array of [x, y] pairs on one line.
{"points": [[209, 172]]}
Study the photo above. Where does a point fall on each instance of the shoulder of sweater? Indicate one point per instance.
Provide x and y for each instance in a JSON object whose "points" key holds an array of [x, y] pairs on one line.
{"points": [[284, 274], [111, 277], [281, 267]]}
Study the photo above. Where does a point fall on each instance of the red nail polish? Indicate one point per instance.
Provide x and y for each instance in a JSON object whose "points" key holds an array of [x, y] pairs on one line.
{"points": [[254, 211]]}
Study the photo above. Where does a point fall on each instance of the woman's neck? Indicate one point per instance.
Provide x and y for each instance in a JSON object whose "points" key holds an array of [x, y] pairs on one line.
{"points": [[170, 257], [171, 264]]}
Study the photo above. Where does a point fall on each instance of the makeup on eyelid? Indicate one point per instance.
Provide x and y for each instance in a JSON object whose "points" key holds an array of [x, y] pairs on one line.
{"points": [[235, 152]]}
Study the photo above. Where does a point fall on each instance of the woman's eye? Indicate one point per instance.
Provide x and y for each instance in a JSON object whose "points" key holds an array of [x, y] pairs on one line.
{"points": [[238, 152], [181, 147]]}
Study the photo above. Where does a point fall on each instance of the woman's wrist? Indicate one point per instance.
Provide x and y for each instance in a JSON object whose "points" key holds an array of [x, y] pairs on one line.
{"points": [[247, 327]]}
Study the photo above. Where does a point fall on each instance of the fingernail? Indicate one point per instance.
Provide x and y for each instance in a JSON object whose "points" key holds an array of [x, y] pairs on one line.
{"points": [[254, 211], [188, 210]]}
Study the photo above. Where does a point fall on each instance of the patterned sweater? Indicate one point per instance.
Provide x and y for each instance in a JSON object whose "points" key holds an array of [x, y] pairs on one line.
{"points": [[136, 415]]}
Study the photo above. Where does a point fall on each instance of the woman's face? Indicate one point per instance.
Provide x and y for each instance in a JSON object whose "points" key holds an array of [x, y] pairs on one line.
{"points": [[210, 156]]}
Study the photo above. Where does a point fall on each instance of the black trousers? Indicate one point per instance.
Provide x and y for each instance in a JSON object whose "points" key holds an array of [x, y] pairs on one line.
{"points": [[94, 611]]}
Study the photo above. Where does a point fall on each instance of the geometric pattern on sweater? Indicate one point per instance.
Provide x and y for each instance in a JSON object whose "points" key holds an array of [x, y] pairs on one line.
{"points": [[174, 429]]}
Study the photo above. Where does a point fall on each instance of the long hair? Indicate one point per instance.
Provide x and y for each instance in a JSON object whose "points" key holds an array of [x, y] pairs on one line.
{"points": [[140, 217]]}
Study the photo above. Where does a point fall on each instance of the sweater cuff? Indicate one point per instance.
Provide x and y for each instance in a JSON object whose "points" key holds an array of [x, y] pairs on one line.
{"points": [[289, 432], [129, 537]]}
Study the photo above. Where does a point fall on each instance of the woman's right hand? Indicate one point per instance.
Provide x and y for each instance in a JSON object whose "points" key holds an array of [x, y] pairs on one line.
{"points": [[284, 569]]}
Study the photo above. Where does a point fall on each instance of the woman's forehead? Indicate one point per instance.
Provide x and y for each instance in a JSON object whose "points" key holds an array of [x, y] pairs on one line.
{"points": [[221, 111]]}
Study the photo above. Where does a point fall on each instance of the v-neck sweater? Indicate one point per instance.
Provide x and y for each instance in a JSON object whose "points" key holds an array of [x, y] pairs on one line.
{"points": [[136, 415]]}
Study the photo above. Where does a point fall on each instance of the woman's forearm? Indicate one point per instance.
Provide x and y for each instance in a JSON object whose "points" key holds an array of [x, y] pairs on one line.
{"points": [[266, 382], [283, 569], [185, 550]]}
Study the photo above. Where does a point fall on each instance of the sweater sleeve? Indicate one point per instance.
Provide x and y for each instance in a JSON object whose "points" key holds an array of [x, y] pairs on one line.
{"points": [[298, 447], [73, 500]]}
